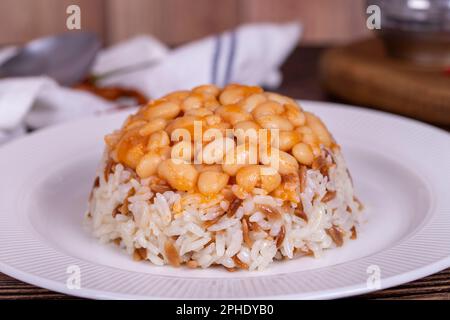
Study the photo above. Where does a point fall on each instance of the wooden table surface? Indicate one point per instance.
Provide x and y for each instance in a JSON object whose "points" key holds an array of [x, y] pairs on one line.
{"points": [[301, 81]]}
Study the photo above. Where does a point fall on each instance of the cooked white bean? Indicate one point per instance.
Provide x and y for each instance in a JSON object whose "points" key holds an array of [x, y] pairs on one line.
{"points": [[287, 164], [233, 113], [183, 150], [248, 177], [214, 151], [283, 161], [267, 108], [275, 122], [194, 101], [248, 124], [133, 124], [318, 128], [246, 132], [287, 139], [215, 131], [177, 96], [157, 140], [208, 89], [148, 165], [161, 109], [250, 103], [231, 96], [212, 182], [303, 153], [181, 176], [131, 148], [213, 119], [252, 176], [295, 115], [310, 139], [270, 178], [186, 123], [304, 130], [234, 93], [153, 126], [236, 158], [280, 98]]}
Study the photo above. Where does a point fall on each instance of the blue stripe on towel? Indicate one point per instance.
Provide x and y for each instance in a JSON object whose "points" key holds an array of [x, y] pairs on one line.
{"points": [[215, 61], [231, 55]]}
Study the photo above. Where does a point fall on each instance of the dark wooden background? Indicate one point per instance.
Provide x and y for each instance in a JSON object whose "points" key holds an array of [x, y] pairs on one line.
{"points": [[178, 21], [301, 81]]}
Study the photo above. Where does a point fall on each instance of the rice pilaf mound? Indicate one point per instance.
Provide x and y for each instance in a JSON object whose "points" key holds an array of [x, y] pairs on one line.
{"points": [[168, 194]]}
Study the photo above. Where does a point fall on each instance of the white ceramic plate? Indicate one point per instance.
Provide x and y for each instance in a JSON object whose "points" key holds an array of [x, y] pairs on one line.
{"points": [[401, 170]]}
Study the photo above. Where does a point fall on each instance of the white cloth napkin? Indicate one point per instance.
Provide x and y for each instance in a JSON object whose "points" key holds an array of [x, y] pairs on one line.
{"points": [[250, 54]]}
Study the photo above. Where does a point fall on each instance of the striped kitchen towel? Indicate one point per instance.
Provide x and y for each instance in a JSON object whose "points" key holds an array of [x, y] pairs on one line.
{"points": [[250, 54]]}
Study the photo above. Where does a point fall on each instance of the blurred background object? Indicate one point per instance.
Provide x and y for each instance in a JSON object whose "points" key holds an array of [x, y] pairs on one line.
{"points": [[176, 22], [416, 30], [413, 54], [127, 74], [405, 70], [363, 73], [412, 57], [326, 22], [67, 57]]}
